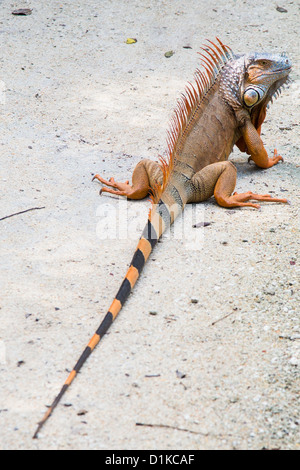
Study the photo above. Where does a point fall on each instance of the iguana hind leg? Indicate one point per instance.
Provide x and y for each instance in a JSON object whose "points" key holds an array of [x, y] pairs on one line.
{"points": [[219, 179], [146, 175]]}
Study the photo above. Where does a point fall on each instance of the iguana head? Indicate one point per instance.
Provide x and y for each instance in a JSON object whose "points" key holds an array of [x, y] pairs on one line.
{"points": [[264, 74], [253, 79], [250, 81]]}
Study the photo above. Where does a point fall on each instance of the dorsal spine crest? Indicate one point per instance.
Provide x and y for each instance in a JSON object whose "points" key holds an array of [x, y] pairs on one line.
{"points": [[213, 59]]}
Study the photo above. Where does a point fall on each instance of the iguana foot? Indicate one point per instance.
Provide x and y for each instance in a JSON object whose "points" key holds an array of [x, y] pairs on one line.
{"points": [[121, 189], [275, 159], [272, 161], [239, 199], [220, 179], [145, 178]]}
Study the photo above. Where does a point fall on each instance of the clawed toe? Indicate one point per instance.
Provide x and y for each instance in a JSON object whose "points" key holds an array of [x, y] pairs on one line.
{"points": [[111, 191], [241, 199], [119, 189], [102, 180]]}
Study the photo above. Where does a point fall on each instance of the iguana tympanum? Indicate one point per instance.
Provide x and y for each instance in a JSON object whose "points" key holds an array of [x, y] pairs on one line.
{"points": [[225, 105]]}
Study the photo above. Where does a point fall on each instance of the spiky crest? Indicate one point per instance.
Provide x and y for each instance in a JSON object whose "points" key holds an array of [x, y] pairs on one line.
{"points": [[213, 59]]}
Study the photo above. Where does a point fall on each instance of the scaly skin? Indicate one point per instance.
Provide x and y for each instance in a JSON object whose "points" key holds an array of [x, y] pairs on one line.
{"points": [[225, 106]]}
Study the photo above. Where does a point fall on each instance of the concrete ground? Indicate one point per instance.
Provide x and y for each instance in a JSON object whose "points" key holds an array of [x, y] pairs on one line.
{"points": [[205, 354]]}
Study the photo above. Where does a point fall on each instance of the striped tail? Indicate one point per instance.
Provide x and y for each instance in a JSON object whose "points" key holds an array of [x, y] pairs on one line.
{"points": [[151, 234]]}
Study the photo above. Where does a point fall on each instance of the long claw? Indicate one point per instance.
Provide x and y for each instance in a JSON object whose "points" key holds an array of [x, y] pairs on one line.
{"points": [[112, 191], [102, 180], [241, 199], [120, 189]]}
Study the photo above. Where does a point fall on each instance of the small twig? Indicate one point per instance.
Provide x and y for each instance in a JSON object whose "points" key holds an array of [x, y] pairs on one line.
{"points": [[22, 212], [22, 12], [168, 427], [202, 224], [222, 318]]}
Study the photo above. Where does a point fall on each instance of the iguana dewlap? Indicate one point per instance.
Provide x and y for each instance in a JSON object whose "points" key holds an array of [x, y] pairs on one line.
{"points": [[226, 105]]}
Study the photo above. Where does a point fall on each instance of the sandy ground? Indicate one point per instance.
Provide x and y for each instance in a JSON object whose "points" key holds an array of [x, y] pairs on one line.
{"points": [[207, 347]]}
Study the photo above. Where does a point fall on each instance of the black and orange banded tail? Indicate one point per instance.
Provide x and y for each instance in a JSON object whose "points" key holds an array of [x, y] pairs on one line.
{"points": [[145, 246]]}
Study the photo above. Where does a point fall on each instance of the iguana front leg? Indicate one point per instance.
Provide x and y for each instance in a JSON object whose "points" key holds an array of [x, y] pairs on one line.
{"points": [[146, 175], [256, 148]]}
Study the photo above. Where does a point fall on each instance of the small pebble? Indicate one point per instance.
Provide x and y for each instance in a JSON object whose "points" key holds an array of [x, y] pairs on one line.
{"points": [[180, 375]]}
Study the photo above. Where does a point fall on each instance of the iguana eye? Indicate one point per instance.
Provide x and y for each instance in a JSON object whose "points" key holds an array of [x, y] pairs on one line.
{"points": [[251, 96]]}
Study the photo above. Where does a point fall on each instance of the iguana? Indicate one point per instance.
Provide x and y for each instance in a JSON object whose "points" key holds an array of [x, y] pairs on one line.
{"points": [[225, 105]]}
